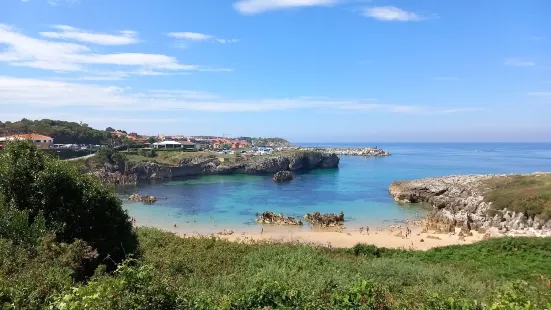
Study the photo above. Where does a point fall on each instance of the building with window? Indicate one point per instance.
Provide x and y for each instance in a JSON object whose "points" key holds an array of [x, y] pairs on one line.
{"points": [[42, 142]]}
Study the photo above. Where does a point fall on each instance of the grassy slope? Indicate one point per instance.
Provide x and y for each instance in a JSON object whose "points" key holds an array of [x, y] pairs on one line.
{"points": [[529, 194], [220, 268]]}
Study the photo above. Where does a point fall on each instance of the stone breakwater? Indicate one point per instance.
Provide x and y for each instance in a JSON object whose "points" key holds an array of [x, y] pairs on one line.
{"points": [[352, 151], [458, 201], [211, 165]]}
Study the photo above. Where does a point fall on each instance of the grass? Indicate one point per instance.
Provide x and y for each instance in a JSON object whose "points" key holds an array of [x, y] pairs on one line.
{"points": [[209, 273], [530, 194], [222, 268]]}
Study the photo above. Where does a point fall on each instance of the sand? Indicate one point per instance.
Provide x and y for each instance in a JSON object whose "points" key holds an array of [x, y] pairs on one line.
{"points": [[389, 237]]}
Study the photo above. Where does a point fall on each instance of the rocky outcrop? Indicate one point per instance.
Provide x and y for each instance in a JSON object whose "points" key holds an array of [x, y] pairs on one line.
{"points": [[325, 220], [208, 165], [351, 151], [115, 178], [282, 176], [145, 199], [458, 201], [278, 219]]}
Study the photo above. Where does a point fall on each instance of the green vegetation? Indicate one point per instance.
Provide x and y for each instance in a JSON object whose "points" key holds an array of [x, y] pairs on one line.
{"points": [[530, 194], [65, 243], [265, 141], [62, 132], [41, 195]]}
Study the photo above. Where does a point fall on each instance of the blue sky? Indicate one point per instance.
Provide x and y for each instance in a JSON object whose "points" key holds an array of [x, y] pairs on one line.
{"points": [[307, 70]]}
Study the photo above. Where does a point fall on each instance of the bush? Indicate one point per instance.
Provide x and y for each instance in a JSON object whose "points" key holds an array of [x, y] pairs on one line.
{"points": [[73, 205], [147, 153]]}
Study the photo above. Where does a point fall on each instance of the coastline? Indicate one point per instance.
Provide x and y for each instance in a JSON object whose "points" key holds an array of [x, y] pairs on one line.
{"points": [[391, 236]]}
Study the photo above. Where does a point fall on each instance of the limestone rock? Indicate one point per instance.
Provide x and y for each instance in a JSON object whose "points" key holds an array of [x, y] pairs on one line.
{"points": [[325, 220], [433, 237], [282, 176], [458, 201], [145, 199], [278, 219]]}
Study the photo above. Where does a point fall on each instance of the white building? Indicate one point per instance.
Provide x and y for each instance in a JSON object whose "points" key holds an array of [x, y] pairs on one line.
{"points": [[167, 145], [40, 141]]}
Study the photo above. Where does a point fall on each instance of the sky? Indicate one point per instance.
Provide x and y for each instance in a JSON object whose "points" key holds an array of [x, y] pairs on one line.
{"points": [[305, 70]]}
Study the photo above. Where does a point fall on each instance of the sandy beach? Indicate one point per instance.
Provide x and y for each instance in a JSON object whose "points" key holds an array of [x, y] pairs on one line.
{"points": [[393, 236]]}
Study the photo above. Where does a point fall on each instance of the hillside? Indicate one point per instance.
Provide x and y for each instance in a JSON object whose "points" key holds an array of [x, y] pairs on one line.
{"points": [[63, 132], [270, 142]]}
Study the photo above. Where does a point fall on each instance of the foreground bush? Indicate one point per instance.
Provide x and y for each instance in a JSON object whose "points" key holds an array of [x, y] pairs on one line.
{"points": [[40, 193]]}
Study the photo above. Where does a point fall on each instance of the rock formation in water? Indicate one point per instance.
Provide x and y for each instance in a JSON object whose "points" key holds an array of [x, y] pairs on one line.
{"points": [[282, 176], [208, 165], [278, 219], [326, 219], [350, 151], [145, 199], [459, 201]]}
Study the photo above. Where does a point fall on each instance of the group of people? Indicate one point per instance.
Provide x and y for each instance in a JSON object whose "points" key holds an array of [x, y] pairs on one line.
{"points": [[366, 229], [133, 219]]}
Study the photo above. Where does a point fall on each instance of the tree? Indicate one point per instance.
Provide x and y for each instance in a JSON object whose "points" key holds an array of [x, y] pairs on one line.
{"points": [[109, 129], [72, 205], [151, 140]]}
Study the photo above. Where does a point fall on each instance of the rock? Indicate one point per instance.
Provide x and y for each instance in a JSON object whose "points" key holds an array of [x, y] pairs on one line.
{"points": [[486, 236], [422, 240], [282, 176], [461, 234], [399, 234], [459, 201], [279, 219], [461, 238], [211, 164], [433, 237], [145, 199], [325, 220], [225, 232]]}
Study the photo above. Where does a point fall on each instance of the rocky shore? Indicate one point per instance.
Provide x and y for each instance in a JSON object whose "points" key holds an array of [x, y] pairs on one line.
{"points": [[131, 173], [459, 201], [351, 151]]}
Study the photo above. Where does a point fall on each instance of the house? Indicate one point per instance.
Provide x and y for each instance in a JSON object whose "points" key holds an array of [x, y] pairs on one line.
{"points": [[188, 145], [41, 141], [167, 145]]}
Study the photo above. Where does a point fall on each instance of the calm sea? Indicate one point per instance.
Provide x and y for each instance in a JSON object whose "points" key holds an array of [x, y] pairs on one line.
{"points": [[359, 187]]}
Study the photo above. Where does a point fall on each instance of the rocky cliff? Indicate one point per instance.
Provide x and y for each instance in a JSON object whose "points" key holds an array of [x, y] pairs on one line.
{"points": [[460, 201], [206, 165]]}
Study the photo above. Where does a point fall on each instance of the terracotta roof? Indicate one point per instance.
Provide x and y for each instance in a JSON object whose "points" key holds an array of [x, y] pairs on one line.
{"points": [[30, 136]]}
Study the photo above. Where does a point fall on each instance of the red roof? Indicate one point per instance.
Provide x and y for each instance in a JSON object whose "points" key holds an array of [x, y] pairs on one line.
{"points": [[30, 136]]}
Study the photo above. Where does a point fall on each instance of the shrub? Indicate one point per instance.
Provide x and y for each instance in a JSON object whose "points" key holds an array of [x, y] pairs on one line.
{"points": [[147, 153], [73, 205]]}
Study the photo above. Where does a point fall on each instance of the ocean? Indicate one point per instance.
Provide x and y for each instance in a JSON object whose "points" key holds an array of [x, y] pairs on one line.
{"points": [[359, 187]]}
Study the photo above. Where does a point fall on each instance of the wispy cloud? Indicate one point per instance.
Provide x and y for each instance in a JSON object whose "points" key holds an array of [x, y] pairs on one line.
{"points": [[446, 78], [390, 13], [541, 94], [260, 6], [197, 36], [516, 62], [26, 51], [56, 2], [74, 34], [50, 94]]}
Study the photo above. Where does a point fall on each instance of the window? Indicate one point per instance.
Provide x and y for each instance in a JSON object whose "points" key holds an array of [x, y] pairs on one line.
{"points": [[37, 141]]}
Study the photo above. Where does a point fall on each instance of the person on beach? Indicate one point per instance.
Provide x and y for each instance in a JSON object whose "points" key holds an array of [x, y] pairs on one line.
{"points": [[262, 231], [367, 230], [174, 224]]}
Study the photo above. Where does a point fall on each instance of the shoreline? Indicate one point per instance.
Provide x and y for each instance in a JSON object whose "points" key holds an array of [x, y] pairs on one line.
{"points": [[392, 236]]}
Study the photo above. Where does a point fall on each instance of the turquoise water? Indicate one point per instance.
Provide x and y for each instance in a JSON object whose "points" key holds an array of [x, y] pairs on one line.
{"points": [[359, 187]]}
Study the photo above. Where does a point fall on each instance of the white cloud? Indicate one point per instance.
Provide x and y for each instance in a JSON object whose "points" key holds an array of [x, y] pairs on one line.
{"points": [[446, 78], [260, 6], [541, 94], [70, 33], [18, 92], [516, 62], [197, 36], [390, 13], [26, 51]]}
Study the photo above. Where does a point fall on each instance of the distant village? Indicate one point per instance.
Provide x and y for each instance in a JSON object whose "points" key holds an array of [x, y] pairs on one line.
{"points": [[220, 145]]}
